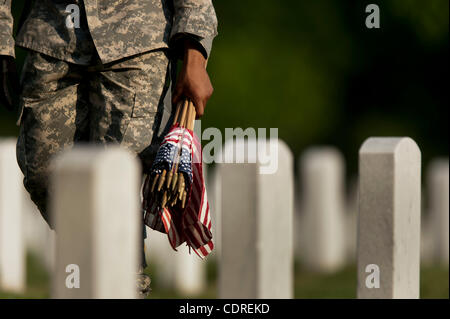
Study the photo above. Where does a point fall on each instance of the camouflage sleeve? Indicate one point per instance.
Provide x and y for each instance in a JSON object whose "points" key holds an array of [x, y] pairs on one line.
{"points": [[196, 18], [6, 29]]}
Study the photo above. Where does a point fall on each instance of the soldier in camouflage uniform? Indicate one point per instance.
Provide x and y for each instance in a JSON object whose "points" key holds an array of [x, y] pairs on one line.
{"points": [[104, 81]]}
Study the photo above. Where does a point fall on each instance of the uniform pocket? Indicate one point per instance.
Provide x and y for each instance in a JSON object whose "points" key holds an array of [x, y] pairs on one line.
{"points": [[42, 77], [144, 105]]}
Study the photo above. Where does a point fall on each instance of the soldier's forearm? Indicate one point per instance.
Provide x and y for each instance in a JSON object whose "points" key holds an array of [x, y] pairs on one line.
{"points": [[183, 41], [192, 54], [193, 81]]}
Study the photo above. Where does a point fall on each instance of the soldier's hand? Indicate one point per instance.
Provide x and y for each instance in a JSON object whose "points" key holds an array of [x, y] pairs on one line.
{"points": [[9, 81], [193, 81]]}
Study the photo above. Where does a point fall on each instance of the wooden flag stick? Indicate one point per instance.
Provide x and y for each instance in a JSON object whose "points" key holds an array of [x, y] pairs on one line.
{"points": [[155, 180], [177, 112], [183, 114], [175, 179], [192, 114], [183, 199], [164, 199], [189, 115], [161, 179], [169, 177], [183, 121]]}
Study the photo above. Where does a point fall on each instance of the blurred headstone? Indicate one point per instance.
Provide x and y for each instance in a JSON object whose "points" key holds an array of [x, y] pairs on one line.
{"points": [[214, 188], [257, 214], [323, 246], [190, 272], [351, 222], [12, 242], [299, 236], [181, 271], [39, 238], [389, 219], [438, 209], [95, 206], [426, 235], [159, 253]]}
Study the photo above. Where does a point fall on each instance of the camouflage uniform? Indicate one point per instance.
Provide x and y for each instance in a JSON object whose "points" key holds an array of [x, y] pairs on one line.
{"points": [[65, 103], [104, 82], [117, 28]]}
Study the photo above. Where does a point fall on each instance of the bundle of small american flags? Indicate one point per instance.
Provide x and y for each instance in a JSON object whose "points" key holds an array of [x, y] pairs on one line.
{"points": [[175, 200]]}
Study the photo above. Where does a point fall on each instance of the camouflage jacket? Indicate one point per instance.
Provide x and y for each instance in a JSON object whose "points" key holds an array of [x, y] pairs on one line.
{"points": [[114, 29]]}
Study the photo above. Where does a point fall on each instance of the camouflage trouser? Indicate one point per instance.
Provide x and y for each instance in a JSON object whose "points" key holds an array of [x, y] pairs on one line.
{"points": [[63, 103]]}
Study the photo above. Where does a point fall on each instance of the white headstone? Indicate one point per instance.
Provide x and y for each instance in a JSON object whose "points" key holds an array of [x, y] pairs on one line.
{"points": [[38, 235], [438, 205], [190, 272], [351, 222], [426, 241], [426, 235], [95, 206], [181, 271], [159, 253], [12, 241], [389, 218], [257, 214], [323, 220], [214, 188], [299, 237]]}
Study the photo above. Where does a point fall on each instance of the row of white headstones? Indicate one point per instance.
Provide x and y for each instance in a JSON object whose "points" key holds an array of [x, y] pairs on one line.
{"points": [[95, 205]]}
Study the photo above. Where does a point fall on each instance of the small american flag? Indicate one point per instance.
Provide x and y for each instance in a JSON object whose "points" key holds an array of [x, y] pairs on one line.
{"points": [[192, 224]]}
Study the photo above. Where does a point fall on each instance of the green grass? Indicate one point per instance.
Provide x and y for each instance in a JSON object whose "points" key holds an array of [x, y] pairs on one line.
{"points": [[342, 285], [434, 283], [311, 285], [38, 281]]}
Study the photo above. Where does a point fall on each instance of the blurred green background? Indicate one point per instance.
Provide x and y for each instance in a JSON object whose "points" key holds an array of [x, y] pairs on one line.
{"points": [[314, 71]]}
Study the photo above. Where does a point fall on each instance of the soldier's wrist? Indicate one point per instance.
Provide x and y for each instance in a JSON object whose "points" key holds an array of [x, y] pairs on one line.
{"points": [[190, 44], [193, 57]]}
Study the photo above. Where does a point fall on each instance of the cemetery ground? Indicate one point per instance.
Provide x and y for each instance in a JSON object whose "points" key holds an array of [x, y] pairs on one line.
{"points": [[434, 283]]}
